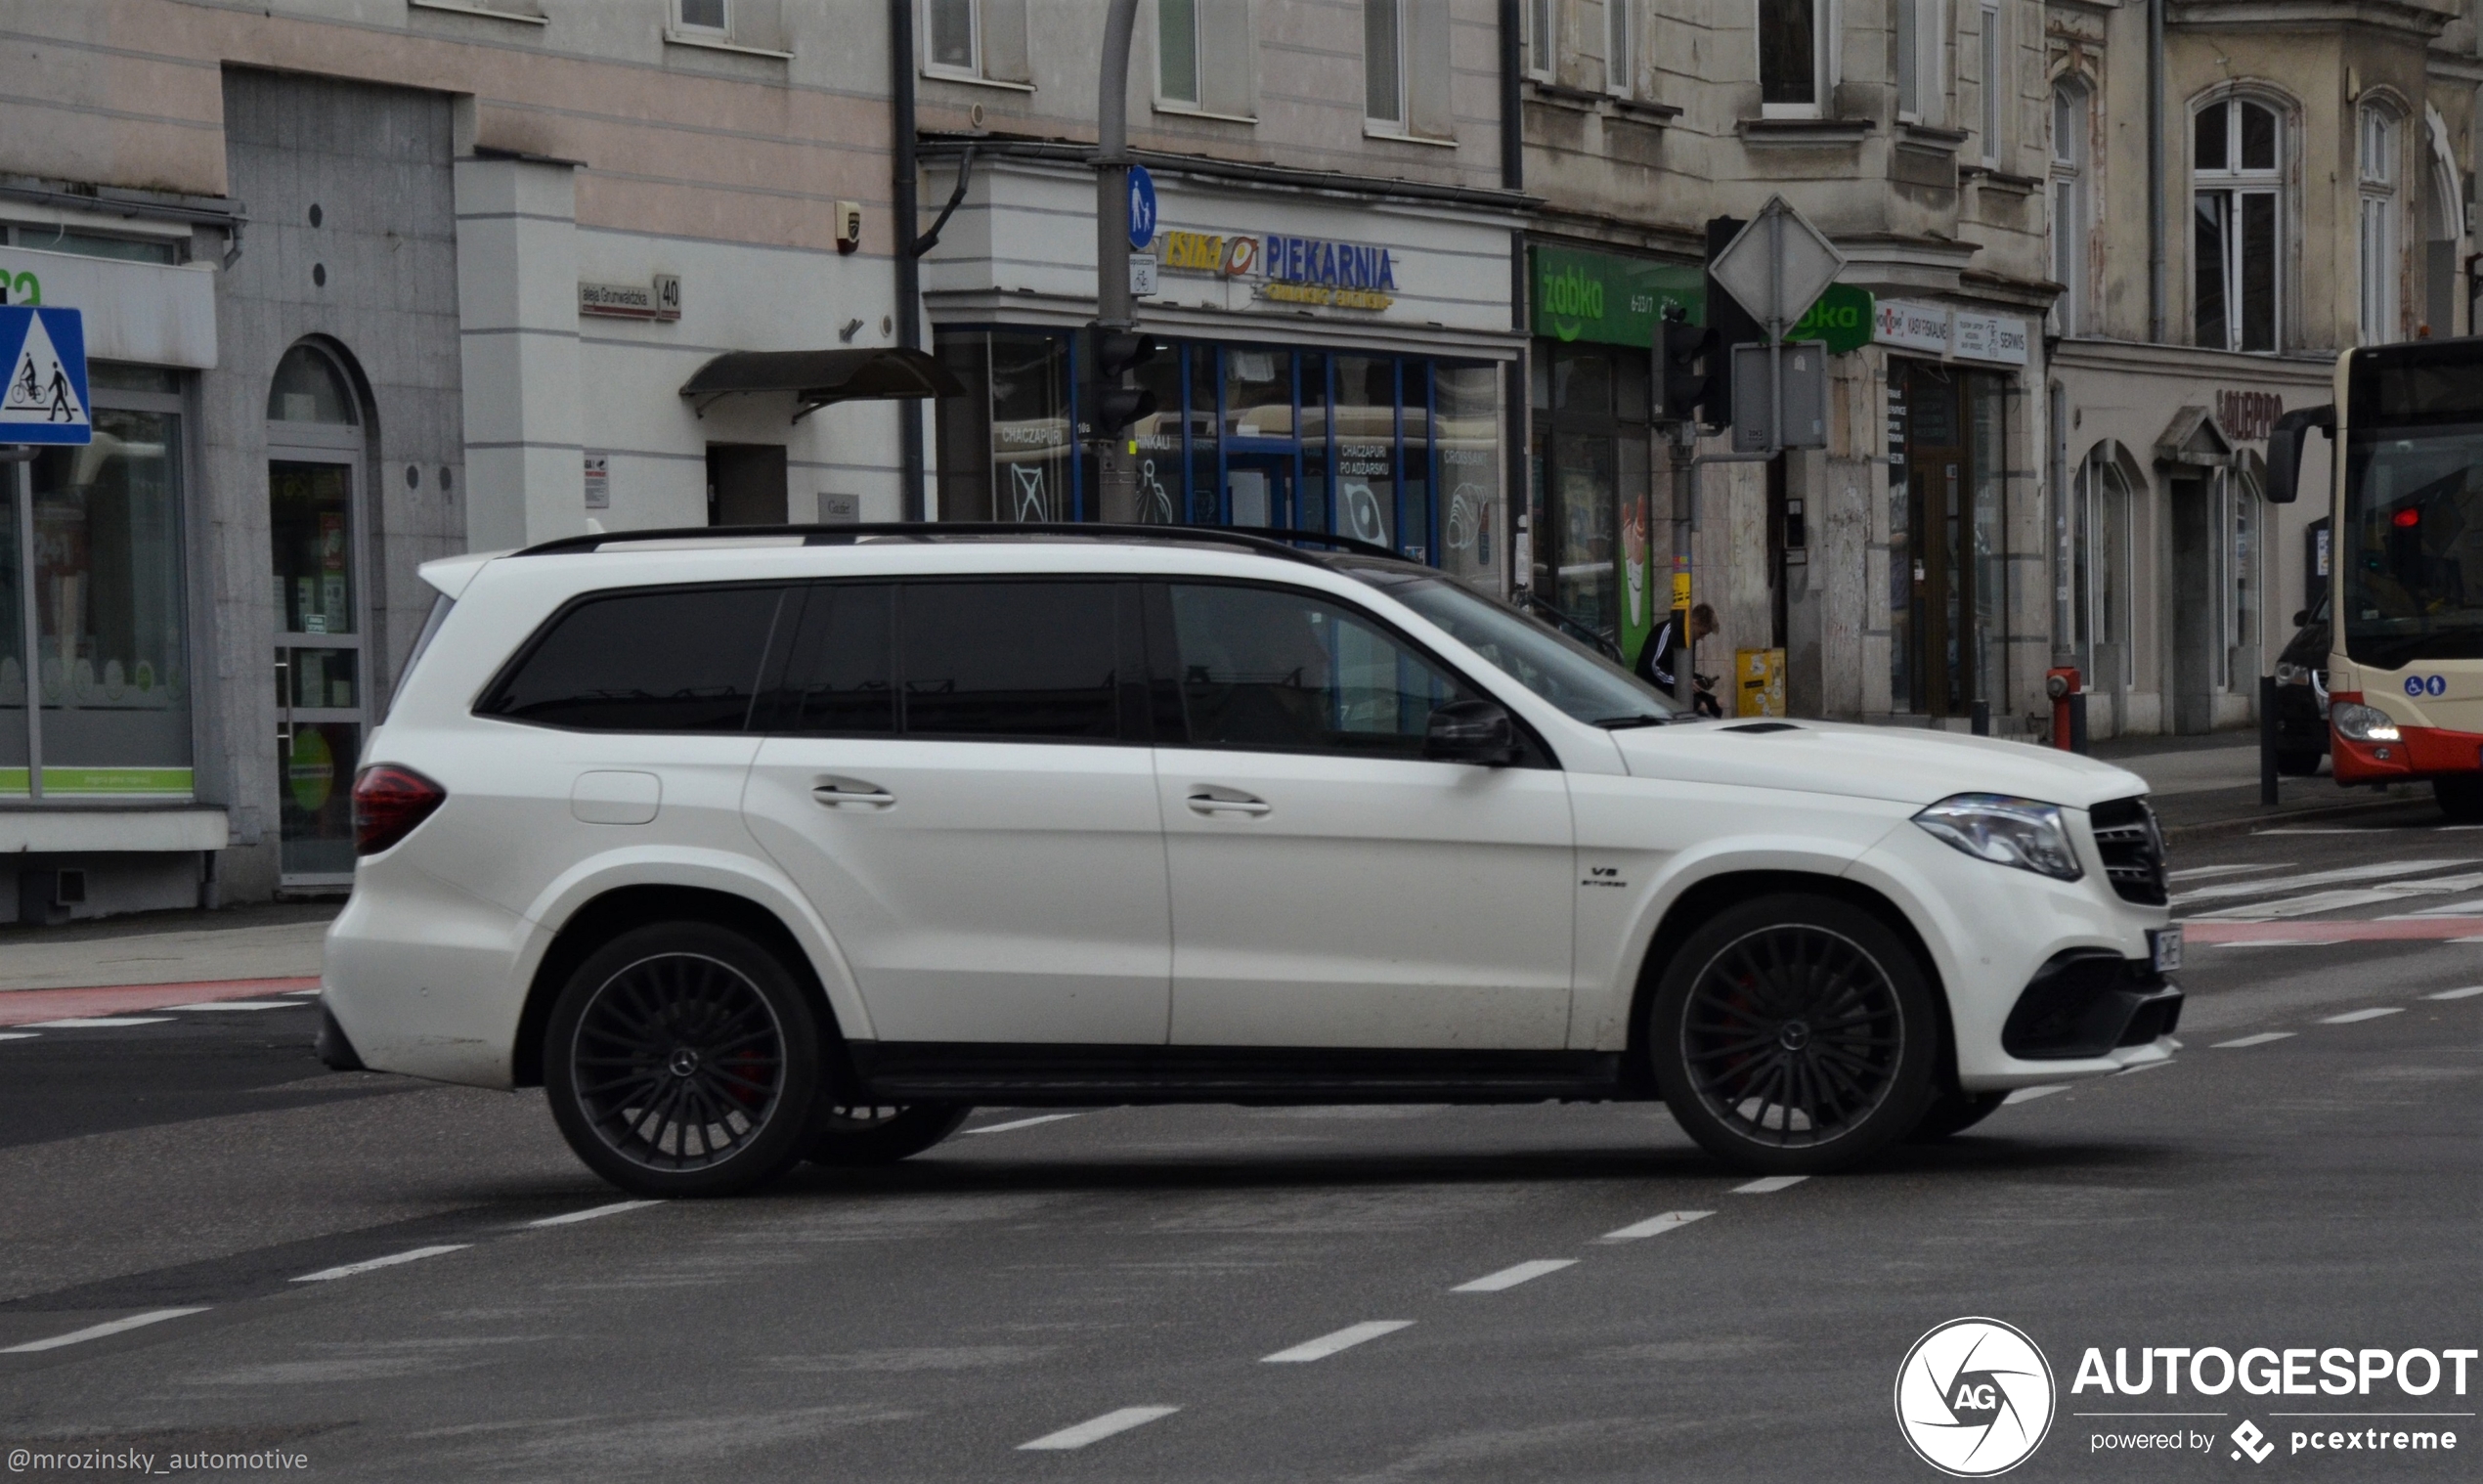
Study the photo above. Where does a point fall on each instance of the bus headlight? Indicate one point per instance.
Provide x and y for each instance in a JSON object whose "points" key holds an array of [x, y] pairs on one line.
{"points": [[2357, 723]]}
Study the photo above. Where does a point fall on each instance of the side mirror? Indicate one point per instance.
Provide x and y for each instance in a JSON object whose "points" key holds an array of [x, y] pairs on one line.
{"points": [[2301, 616], [2285, 449], [1472, 731]]}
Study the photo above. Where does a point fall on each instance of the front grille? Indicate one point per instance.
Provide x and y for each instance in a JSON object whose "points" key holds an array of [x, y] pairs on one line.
{"points": [[2132, 847]]}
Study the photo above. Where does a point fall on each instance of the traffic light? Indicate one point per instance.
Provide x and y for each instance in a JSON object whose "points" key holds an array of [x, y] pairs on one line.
{"points": [[1683, 354], [1107, 357]]}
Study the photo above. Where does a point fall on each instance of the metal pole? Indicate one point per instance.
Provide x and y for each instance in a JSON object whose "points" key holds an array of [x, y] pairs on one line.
{"points": [[2267, 739], [909, 297], [21, 473], [1112, 170]]}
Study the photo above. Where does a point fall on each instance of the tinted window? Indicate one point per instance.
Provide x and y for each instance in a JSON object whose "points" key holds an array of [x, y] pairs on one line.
{"points": [[660, 660], [837, 681], [1014, 659], [1265, 668]]}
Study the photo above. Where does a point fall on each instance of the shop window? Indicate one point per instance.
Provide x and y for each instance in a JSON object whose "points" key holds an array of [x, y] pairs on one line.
{"points": [[1365, 423], [1921, 61], [96, 244], [1468, 441], [2376, 148], [308, 388], [1792, 57], [1006, 450], [977, 40], [2071, 224], [1204, 56], [1405, 69], [2235, 225]]}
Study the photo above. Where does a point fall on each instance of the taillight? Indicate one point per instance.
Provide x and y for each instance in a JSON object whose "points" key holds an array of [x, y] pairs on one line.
{"points": [[388, 802]]}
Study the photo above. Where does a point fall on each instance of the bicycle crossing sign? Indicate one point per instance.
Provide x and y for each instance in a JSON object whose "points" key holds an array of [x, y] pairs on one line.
{"points": [[44, 400]]}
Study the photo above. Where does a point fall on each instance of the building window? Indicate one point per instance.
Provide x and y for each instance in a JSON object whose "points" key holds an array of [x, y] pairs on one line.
{"points": [[1995, 82], [1542, 56], [1920, 61], [1620, 56], [2377, 149], [2071, 231], [983, 41], [707, 18], [1204, 54], [1405, 69], [2237, 226], [1792, 57], [1383, 57]]}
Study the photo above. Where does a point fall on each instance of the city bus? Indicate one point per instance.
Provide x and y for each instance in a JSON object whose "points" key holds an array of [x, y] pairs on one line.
{"points": [[2404, 666]]}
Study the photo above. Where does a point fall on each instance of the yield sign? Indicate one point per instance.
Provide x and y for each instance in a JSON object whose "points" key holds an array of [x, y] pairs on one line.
{"points": [[44, 400], [1777, 265]]}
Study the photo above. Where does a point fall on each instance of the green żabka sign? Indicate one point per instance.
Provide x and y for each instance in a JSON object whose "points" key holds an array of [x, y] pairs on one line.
{"points": [[1618, 301]]}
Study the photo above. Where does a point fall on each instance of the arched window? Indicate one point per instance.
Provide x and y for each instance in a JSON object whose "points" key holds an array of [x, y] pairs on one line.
{"points": [[2378, 142], [2236, 168], [2102, 540], [2073, 225], [310, 387]]}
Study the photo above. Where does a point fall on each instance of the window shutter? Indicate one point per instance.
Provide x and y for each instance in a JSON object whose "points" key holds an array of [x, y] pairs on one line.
{"points": [[1004, 41], [1427, 111]]}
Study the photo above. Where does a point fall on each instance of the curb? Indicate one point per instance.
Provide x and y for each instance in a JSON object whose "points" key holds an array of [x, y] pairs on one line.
{"points": [[2244, 823]]}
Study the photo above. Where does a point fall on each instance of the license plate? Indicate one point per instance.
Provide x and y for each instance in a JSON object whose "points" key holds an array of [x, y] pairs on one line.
{"points": [[2163, 944]]}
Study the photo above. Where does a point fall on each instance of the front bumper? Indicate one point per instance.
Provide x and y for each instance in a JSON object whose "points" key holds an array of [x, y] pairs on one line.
{"points": [[2086, 1003]]}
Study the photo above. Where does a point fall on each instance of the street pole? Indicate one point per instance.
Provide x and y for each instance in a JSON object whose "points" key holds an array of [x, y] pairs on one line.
{"points": [[1112, 170]]}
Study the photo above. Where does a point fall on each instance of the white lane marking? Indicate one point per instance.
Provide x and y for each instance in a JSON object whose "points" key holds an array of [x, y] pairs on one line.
{"points": [[313, 994], [1097, 1428], [98, 1332], [389, 1261], [1509, 1278], [2261, 1039], [2467, 908], [18, 1035], [2029, 1094], [2131, 1072], [2283, 942], [97, 1021], [2467, 939], [2466, 993], [1002, 1128], [1655, 1226], [2195, 873], [1343, 1339], [236, 1005], [1768, 1185], [591, 1212], [2372, 1014], [2279, 884], [2343, 898]]}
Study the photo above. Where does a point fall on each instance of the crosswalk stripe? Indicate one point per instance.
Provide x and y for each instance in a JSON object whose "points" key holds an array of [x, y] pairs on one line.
{"points": [[2278, 885], [2343, 898]]}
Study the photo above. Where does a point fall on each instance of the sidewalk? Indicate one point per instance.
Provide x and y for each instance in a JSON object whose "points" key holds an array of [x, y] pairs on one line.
{"points": [[2210, 784], [157, 959]]}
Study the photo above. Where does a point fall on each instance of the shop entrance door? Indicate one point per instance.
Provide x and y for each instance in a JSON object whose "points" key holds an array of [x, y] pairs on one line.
{"points": [[315, 442], [2197, 590], [1940, 605], [1258, 489]]}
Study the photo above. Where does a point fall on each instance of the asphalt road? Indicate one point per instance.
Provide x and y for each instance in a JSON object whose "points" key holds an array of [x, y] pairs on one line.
{"points": [[2315, 1188]]}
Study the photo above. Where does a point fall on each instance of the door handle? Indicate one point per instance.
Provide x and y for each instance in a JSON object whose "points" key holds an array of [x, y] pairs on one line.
{"points": [[1205, 802], [838, 792]]}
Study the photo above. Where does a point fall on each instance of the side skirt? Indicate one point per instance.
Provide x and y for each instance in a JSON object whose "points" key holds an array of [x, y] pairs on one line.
{"points": [[1036, 1076]]}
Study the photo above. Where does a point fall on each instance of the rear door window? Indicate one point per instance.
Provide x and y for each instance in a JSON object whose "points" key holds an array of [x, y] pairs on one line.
{"points": [[839, 677], [1034, 659], [648, 659]]}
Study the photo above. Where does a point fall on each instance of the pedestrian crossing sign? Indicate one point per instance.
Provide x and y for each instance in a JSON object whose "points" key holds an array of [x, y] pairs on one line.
{"points": [[45, 397]]}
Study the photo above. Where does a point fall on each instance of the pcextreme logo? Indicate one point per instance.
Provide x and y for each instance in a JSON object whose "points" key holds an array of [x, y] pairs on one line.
{"points": [[1974, 1397]]}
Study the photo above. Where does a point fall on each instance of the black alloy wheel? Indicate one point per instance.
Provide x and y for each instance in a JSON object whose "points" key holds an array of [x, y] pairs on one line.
{"points": [[858, 1136], [1794, 1034], [682, 1060]]}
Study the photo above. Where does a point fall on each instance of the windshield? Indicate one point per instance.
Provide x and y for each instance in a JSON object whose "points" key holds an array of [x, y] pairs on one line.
{"points": [[2413, 544], [1567, 674]]}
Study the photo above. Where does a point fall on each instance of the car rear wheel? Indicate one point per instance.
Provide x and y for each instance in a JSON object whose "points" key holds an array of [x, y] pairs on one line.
{"points": [[2461, 798], [853, 1137], [1794, 1034], [682, 1059]]}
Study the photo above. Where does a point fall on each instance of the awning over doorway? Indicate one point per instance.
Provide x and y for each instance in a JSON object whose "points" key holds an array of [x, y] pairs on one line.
{"points": [[817, 377], [2194, 439]]}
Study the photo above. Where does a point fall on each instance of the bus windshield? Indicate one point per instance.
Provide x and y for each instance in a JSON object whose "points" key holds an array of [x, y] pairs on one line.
{"points": [[2410, 530]]}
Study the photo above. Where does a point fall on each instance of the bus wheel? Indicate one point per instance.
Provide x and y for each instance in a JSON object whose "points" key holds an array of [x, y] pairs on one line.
{"points": [[2461, 798]]}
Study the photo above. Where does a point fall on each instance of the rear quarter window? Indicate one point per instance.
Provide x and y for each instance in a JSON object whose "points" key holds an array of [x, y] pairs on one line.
{"points": [[652, 660]]}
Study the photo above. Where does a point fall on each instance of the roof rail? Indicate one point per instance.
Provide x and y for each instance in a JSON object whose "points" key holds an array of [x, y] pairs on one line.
{"points": [[1268, 540]]}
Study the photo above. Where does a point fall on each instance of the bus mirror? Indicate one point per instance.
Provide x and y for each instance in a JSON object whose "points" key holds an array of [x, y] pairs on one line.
{"points": [[2285, 449]]}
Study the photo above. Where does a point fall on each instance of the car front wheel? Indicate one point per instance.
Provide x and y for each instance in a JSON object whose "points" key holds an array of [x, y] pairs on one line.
{"points": [[1794, 1034], [854, 1137], [682, 1059]]}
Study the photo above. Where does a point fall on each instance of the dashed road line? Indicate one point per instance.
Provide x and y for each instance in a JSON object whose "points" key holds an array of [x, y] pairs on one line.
{"points": [[18, 1035], [2196, 873], [237, 1005], [2372, 1014], [2029, 1094], [565, 1218], [350, 1269], [1095, 1430], [2281, 942], [1768, 1185], [1509, 1278], [97, 1021], [99, 1331], [1343, 1339], [2261, 1039], [1655, 1226], [1002, 1128], [2466, 993]]}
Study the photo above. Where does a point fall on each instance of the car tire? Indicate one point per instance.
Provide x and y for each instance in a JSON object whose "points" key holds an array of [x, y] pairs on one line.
{"points": [[852, 1138], [1953, 1113], [682, 1059], [2298, 764], [1746, 1073], [2461, 798]]}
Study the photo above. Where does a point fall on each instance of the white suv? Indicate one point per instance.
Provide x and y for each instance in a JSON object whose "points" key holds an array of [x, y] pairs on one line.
{"points": [[753, 848]]}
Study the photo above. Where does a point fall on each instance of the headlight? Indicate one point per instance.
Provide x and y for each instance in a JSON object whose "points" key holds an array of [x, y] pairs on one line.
{"points": [[2361, 723], [2012, 832]]}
